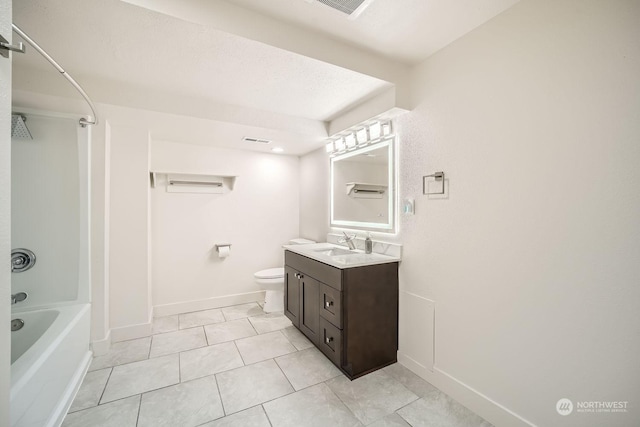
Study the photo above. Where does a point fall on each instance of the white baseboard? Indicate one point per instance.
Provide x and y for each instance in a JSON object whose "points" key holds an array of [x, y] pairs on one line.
{"points": [[131, 332], [145, 329], [206, 304], [482, 405], [101, 347]]}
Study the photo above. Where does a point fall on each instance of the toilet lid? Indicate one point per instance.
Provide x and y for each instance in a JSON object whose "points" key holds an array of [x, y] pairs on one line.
{"points": [[270, 273]]}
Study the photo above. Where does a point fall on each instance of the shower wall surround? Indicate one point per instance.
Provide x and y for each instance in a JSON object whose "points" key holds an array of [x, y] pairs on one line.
{"points": [[45, 210], [5, 212]]}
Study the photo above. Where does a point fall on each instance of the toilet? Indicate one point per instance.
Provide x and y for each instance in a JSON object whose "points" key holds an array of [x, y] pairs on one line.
{"points": [[272, 281]]}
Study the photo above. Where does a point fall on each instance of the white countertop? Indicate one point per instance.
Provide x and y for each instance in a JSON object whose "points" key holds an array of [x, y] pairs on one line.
{"points": [[355, 258]]}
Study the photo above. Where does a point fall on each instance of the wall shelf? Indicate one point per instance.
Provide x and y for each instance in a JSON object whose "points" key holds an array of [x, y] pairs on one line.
{"points": [[365, 190], [179, 182]]}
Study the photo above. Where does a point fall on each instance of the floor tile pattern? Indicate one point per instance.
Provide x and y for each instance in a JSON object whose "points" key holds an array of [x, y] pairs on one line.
{"points": [[240, 388], [188, 403], [237, 366]]}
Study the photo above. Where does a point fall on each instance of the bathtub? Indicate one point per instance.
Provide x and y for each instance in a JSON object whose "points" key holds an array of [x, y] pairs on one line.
{"points": [[49, 358]]}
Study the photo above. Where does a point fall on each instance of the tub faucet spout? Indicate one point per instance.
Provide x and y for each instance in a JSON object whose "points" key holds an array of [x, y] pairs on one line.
{"points": [[20, 296]]}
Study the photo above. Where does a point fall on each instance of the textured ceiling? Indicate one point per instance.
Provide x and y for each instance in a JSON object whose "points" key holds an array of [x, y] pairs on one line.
{"points": [[404, 30], [284, 66], [114, 41]]}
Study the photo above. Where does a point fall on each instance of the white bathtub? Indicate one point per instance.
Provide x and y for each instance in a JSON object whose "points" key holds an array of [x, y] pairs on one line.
{"points": [[49, 357]]}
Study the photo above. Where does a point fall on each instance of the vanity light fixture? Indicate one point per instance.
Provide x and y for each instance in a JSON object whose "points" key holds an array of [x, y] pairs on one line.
{"points": [[329, 147], [386, 128], [362, 135], [350, 140], [375, 130], [359, 136]]}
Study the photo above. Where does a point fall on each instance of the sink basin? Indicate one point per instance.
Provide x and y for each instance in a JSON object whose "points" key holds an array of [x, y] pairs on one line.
{"points": [[339, 256], [333, 251], [356, 258]]}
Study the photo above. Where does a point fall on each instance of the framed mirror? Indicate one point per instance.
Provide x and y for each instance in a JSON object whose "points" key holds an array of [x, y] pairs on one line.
{"points": [[363, 188]]}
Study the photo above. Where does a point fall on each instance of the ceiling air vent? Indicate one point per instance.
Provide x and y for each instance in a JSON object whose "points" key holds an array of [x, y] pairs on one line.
{"points": [[353, 8], [257, 140]]}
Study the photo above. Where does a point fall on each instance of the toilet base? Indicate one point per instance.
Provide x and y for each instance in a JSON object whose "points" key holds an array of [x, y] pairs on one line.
{"points": [[273, 301]]}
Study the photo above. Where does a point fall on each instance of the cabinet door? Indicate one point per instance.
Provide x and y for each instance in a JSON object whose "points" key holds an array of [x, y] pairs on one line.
{"points": [[309, 307], [292, 295]]}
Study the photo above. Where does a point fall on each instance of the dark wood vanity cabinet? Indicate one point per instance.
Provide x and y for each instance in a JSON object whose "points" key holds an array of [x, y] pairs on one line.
{"points": [[301, 293], [350, 314], [292, 295]]}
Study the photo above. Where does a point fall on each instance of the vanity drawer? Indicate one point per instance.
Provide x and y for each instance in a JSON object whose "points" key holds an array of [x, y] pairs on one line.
{"points": [[331, 305], [322, 272], [330, 341]]}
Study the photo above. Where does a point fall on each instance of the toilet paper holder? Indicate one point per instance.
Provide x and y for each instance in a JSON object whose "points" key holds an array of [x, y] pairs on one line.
{"points": [[222, 245]]}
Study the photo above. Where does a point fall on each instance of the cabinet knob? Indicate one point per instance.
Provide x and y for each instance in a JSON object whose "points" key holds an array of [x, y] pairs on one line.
{"points": [[328, 340], [328, 304]]}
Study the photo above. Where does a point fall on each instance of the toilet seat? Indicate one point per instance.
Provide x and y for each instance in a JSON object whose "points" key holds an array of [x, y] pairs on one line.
{"points": [[270, 273], [271, 280]]}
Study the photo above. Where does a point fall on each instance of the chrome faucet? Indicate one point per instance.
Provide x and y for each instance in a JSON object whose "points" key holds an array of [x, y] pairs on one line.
{"points": [[20, 296], [348, 240]]}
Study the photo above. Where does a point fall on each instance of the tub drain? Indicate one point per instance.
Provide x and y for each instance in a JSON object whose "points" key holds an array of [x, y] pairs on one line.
{"points": [[16, 324]]}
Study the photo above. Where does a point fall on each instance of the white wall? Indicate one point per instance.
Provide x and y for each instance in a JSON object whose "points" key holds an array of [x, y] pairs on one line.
{"points": [[5, 215], [129, 285], [45, 210], [121, 271], [532, 260], [121, 241], [314, 195], [258, 216], [100, 196]]}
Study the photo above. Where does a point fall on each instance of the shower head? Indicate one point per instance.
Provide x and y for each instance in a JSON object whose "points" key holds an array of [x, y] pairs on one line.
{"points": [[19, 128]]}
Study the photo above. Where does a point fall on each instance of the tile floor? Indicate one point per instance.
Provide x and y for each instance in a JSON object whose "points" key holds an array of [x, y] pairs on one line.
{"points": [[237, 366]]}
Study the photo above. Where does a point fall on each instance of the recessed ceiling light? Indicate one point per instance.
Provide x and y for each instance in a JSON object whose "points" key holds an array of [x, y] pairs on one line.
{"points": [[277, 149]]}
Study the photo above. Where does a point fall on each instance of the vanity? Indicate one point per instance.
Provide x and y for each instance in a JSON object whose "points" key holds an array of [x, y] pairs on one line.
{"points": [[346, 303]]}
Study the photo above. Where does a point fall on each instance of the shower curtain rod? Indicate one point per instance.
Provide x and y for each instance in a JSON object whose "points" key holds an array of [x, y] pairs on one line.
{"points": [[83, 122]]}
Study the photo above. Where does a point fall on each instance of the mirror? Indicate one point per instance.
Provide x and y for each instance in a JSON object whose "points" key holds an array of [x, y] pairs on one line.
{"points": [[363, 188]]}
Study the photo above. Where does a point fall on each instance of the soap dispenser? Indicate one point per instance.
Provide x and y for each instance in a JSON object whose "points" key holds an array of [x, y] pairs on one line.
{"points": [[368, 244]]}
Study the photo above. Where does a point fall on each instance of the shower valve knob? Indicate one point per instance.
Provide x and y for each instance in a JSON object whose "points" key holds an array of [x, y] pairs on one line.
{"points": [[22, 260]]}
